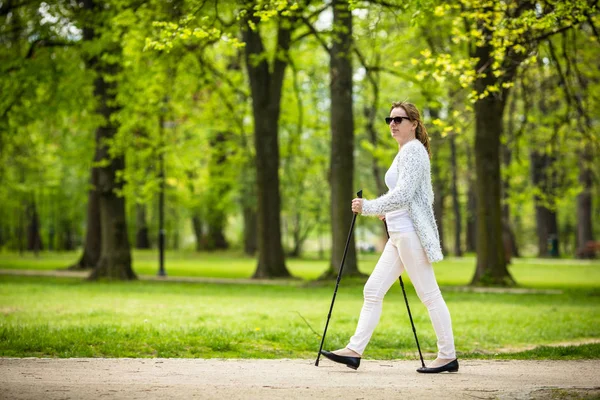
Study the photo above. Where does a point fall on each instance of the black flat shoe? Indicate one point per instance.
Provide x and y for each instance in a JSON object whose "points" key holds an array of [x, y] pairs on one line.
{"points": [[350, 362], [452, 366]]}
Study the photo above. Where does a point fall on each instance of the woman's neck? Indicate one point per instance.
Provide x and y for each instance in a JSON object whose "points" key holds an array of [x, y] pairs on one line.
{"points": [[403, 141]]}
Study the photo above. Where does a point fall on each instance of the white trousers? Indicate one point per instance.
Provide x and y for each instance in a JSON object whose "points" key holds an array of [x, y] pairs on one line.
{"points": [[403, 251]]}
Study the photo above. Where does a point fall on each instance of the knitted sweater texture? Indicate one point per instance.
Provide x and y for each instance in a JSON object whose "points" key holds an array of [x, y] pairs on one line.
{"points": [[414, 192]]}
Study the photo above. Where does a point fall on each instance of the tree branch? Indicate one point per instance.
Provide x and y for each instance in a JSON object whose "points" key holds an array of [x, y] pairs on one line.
{"points": [[387, 4], [45, 43], [591, 22], [580, 111], [317, 36], [367, 68], [225, 78], [7, 7]]}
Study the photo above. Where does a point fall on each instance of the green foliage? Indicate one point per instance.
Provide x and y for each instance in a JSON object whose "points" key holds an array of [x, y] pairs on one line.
{"points": [[181, 83]]}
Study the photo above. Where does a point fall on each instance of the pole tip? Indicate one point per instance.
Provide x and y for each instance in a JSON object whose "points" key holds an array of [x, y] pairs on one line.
{"points": [[359, 194]]}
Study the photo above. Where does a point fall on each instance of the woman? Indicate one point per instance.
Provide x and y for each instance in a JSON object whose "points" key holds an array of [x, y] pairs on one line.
{"points": [[413, 246]]}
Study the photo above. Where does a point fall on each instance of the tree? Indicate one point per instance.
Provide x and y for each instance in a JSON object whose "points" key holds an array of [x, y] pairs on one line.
{"points": [[499, 51], [342, 139], [115, 254], [266, 83]]}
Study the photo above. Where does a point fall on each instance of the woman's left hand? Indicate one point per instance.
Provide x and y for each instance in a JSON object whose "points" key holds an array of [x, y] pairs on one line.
{"points": [[357, 205]]}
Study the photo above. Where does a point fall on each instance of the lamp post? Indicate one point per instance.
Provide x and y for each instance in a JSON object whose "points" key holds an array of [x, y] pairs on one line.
{"points": [[161, 197]]}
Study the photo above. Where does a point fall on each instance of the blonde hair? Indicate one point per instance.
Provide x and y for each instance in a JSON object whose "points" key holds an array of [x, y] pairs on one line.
{"points": [[413, 113]]}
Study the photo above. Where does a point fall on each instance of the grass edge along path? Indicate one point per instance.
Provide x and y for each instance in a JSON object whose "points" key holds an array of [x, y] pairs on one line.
{"points": [[68, 317]]}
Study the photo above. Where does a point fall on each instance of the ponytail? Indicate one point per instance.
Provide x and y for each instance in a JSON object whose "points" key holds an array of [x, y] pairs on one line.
{"points": [[422, 136]]}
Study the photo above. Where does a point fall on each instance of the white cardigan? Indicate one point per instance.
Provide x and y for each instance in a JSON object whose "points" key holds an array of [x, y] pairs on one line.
{"points": [[414, 192]]}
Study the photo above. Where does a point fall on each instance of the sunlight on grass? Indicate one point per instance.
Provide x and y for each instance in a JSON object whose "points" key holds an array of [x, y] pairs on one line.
{"points": [[63, 317], [540, 273]]}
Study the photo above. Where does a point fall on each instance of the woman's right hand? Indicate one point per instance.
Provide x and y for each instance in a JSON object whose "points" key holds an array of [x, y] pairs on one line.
{"points": [[381, 217]]}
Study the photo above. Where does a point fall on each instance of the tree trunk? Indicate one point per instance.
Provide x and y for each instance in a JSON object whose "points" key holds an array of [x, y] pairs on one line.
{"points": [[508, 237], [585, 232], [342, 142], [455, 199], [297, 237], [439, 188], [491, 261], [471, 239], [547, 232], [66, 235], [219, 186], [34, 239], [546, 222], [544, 175], [266, 89], [93, 237], [142, 241], [216, 237], [197, 226], [115, 253], [250, 230], [115, 256], [378, 174]]}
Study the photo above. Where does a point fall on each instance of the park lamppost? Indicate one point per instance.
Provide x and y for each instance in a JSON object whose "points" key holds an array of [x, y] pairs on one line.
{"points": [[161, 190], [161, 197]]}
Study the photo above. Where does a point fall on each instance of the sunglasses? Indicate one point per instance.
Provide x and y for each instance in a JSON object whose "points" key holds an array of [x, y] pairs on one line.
{"points": [[397, 120]]}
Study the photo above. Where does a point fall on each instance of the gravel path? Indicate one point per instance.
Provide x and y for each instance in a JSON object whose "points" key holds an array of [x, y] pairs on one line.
{"points": [[93, 378]]}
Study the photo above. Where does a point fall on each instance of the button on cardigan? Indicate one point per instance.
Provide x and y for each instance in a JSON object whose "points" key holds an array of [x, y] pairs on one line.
{"points": [[414, 192]]}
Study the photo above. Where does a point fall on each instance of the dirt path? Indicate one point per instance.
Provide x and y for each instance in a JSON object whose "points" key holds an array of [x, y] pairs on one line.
{"points": [[93, 378]]}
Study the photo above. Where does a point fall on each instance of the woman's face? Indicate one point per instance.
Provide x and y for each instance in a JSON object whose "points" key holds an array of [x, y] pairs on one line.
{"points": [[403, 129]]}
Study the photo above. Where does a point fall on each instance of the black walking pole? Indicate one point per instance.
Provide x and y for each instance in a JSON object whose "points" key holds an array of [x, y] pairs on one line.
{"points": [[339, 277], [407, 307]]}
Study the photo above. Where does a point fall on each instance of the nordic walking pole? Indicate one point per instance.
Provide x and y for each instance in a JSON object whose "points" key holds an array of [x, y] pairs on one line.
{"points": [[407, 307], [339, 277]]}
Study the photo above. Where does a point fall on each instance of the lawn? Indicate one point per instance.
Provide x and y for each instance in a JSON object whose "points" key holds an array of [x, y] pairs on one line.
{"points": [[66, 317], [529, 272]]}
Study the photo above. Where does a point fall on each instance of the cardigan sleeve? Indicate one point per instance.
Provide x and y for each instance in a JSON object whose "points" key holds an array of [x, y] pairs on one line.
{"points": [[412, 167]]}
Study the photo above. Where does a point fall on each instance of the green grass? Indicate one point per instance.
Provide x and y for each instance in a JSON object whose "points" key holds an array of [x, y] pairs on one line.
{"points": [[534, 273], [65, 317]]}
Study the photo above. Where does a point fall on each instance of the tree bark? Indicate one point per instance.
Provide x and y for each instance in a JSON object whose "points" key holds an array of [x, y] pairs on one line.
{"points": [[342, 141], [219, 186], [491, 261], [142, 240], [371, 114], [471, 237], [266, 89], [544, 176], [67, 242], [439, 188], [585, 233], [508, 237], [115, 253], [455, 199], [34, 239], [546, 222], [93, 236], [250, 229], [197, 227]]}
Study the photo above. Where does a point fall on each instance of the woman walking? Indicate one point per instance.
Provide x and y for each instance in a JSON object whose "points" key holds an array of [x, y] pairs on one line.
{"points": [[413, 245]]}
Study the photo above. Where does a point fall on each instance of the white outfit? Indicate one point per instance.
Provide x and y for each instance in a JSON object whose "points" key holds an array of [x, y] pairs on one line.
{"points": [[413, 192], [404, 249], [398, 220]]}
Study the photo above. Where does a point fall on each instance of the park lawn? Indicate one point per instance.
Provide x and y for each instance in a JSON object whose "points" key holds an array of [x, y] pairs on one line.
{"points": [[528, 272], [66, 317]]}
